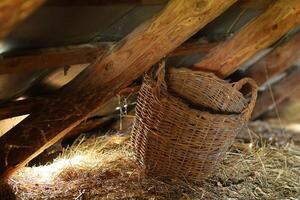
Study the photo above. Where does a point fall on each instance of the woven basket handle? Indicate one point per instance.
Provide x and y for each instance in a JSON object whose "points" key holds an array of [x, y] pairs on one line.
{"points": [[160, 74], [254, 88]]}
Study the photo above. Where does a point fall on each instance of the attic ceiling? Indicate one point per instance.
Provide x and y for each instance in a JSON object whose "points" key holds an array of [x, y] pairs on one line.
{"points": [[60, 24]]}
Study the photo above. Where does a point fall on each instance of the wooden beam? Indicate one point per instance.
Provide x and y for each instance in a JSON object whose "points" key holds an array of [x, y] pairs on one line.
{"points": [[249, 4], [13, 12], [88, 125], [280, 91], [52, 57], [77, 54], [190, 48], [21, 107], [134, 55], [27, 106], [260, 33], [255, 4], [280, 59], [104, 2], [9, 109]]}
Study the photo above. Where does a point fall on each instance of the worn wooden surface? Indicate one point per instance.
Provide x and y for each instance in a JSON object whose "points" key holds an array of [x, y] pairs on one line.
{"points": [[260, 33], [280, 91], [256, 4], [135, 54], [280, 59], [77, 54], [249, 4], [13, 12], [17, 108], [52, 57], [103, 2]]}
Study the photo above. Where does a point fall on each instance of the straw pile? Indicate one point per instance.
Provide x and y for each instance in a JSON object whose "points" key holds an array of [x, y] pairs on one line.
{"points": [[103, 168]]}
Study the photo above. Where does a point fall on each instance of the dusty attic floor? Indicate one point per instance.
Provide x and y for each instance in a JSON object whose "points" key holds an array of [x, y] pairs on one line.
{"points": [[103, 168]]}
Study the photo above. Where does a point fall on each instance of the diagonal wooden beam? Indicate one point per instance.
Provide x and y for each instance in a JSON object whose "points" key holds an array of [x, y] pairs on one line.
{"points": [[77, 54], [52, 57], [260, 33], [251, 4], [103, 2], [256, 4], [13, 12], [280, 59], [21, 107], [267, 100], [134, 55]]}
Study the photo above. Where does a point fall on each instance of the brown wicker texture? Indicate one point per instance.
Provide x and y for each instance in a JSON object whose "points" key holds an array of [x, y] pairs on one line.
{"points": [[205, 89], [171, 139]]}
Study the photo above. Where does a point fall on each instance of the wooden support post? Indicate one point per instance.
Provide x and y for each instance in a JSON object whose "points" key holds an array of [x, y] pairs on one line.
{"points": [[280, 59], [134, 55], [13, 12], [277, 20], [280, 91], [77, 54]]}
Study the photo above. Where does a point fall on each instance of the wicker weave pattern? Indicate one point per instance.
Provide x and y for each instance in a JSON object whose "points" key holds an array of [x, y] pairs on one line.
{"points": [[205, 89], [170, 139]]}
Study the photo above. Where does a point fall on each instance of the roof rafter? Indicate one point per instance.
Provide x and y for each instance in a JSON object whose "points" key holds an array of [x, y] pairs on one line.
{"points": [[77, 54], [276, 62], [260, 33], [13, 12]]}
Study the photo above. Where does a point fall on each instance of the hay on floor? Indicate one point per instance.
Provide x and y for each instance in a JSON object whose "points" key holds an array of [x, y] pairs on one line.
{"points": [[103, 168]]}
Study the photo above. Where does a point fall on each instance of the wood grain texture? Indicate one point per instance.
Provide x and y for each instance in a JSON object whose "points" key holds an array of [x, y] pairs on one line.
{"points": [[134, 55], [103, 2], [52, 57], [280, 91], [18, 108], [77, 54], [255, 4], [260, 33], [13, 12], [249, 4], [27, 106], [280, 59]]}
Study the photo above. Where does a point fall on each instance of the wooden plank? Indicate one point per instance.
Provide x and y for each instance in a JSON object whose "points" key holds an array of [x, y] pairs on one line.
{"points": [[280, 59], [134, 55], [26, 106], [260, 33], [104, 2], [249, 4], [77, 54], [13, 12], [18, 108], [190, 48], [255, 4], [88, 125], [280, 91], [53, 57]]}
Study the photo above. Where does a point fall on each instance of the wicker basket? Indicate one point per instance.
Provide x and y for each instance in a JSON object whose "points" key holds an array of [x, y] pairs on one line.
{"points": [[205, 89], [171, 139]]}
